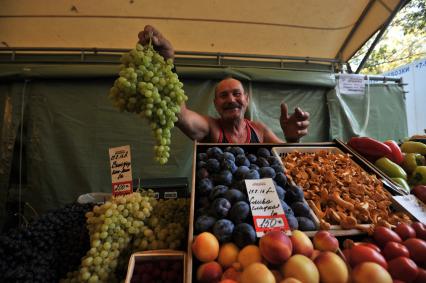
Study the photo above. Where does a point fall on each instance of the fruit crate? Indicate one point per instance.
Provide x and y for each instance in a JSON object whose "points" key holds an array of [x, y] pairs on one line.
{"points": [[321, 152], [202, 148], [158, 261]]}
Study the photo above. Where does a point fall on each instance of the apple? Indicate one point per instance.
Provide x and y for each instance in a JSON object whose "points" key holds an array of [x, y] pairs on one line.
{"points": [[405, 231], [382, 235], [361, 253], [420, 229], [393, 250], [417, 249], [403, 268], [420, 192]]}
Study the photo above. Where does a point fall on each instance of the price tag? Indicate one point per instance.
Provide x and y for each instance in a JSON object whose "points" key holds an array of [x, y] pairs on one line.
{"points": [[121, 170], [266, 207], [413, 205], [351, 84]]}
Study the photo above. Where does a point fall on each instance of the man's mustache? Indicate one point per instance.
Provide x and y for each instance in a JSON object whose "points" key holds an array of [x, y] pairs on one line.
{"points": [[232, 106]]}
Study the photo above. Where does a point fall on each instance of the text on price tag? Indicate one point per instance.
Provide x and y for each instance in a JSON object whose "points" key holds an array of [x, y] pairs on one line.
{"points": [[121, 170], [266, 207]]}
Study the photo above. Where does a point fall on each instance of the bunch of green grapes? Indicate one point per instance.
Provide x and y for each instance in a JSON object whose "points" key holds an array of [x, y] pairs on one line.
{"points": [[127, 224], [148, 86]]}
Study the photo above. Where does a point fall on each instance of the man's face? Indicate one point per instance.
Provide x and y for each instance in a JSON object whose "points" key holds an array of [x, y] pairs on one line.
{"points": [[230, 99]]}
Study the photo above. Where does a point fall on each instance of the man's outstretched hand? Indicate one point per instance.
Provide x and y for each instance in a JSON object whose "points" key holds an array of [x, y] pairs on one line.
{"points": [[160, 43], [294, 126]]}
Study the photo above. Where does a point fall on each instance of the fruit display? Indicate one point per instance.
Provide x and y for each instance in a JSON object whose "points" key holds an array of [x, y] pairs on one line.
{"points": [[404, 164], [277, 258], [339, 191], [134, 222], [221, 200], [148, 86], [42, 251], [401, 251]]}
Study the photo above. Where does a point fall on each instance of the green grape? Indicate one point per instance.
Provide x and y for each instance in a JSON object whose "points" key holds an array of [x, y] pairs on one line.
{"points": [[147, 85]]}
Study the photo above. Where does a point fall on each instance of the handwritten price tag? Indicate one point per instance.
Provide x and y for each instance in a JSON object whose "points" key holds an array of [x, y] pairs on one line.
{"points": [[413, 205], [352, 84], [265, 205], [121, 170]]}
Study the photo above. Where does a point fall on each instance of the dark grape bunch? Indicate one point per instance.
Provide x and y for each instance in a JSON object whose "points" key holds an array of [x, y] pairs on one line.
{"points": [[158, 271], [47, 248], [148, 86]]}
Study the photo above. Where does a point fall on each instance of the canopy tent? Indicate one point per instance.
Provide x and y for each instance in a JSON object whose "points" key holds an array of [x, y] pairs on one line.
{"points": [[332, 29]]}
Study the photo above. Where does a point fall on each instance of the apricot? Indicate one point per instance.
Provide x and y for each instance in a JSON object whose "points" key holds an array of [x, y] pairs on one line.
{"points": [[276, 247], [228, 254], [257, 273], [332, 268], [325, 241], [370, 272], [248, 255], [302, 268], [209, 272], [205, 247], [301, 243]]}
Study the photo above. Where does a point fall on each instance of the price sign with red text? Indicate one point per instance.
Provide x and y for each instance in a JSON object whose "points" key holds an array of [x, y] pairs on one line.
{"points": [[121, 170], [266, 207]]}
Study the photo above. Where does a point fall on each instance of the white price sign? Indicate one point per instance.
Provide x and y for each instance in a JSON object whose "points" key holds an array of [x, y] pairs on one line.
{"points": [[351, 84], [265, 205], [121, 170], [413, 205]]}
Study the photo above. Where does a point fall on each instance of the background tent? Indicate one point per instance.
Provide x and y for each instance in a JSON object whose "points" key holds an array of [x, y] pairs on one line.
{"points": [[61, 57]]}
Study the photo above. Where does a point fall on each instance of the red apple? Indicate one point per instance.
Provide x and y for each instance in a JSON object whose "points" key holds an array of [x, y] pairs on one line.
{"points": [[405, 231], [417, 249], [420, 229], [361, 253], [403, 268], [393, 250], [382, 235]]}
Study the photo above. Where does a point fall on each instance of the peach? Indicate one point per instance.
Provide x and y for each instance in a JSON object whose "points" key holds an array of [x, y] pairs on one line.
{"points": [[257, 273], [290, 280], [248, 255], [276, 247], [209, 272], [301, 243], [231, 273], [325, 241], [205, 247], [228, 254], [370, 272], [302, 268], [332, 268], [228, 281]]}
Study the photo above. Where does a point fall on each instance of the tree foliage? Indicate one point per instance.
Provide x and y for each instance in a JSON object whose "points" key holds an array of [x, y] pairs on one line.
{"points": [[403, 42]]}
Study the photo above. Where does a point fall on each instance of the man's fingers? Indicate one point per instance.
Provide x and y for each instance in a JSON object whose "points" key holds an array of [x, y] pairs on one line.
{"points": [[303, 124], [284, 110]]}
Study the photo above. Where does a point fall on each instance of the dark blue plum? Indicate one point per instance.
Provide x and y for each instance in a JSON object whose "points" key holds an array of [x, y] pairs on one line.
{"points": [[223, 178], [201, 164], [202, 156], [263, 152], [241, 172], [202, 202], [241, 160], [228, 149], [262, 162], [280, 192], [239, 212], [220, 208], [287, 209], [292, 222], [306, 224], [204, 223], [293, 194], [214, 152], [202, 173], [228, 156], [241, 186], [213, 165], [251, 157], [254, 166], [252, 174], [228, 164], [277, 168], [234, 195], [267, 172], [236, 150], [244, 234], [301, 209], [281, 179], [273, 160], [223, 230], [204, 187], [218, 192]]}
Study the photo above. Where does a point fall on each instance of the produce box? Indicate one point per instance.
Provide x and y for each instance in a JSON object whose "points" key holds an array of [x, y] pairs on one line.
{"points": [[345, 197], [198, 195], [156, 266]]}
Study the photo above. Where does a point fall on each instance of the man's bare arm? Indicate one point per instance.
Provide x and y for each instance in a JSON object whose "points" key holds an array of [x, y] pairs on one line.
{"points": [[192, 124]]}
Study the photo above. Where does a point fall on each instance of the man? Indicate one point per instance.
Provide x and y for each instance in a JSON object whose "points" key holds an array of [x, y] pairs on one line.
{"points": [[231, 103]]}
